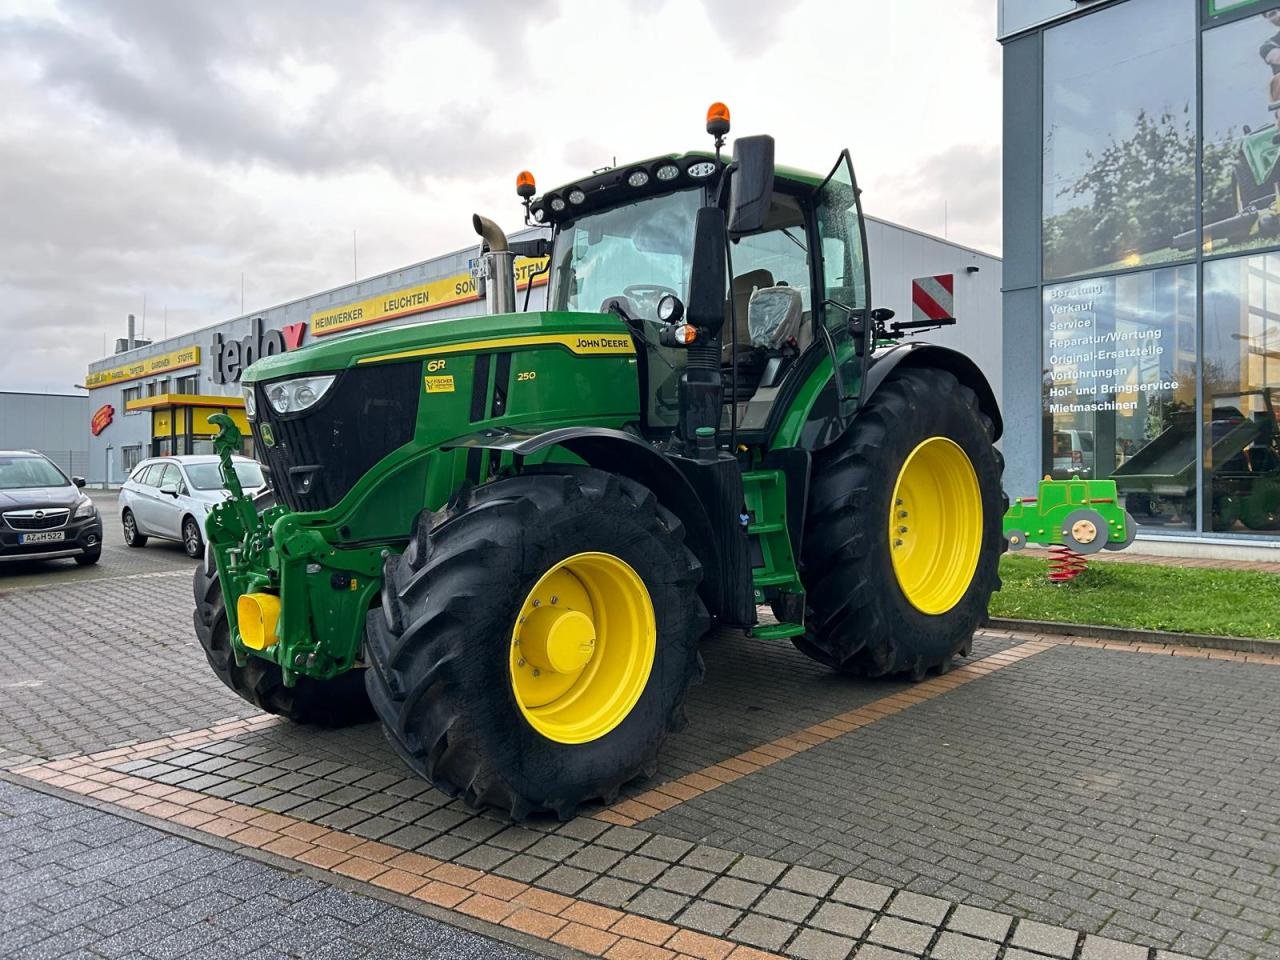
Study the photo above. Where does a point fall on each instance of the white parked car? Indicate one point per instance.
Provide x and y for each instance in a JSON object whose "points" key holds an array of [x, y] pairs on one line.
{"points": [[169, 497]]}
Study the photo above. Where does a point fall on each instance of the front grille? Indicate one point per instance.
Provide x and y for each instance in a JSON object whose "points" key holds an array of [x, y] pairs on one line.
{"points": [[49, 519], [318, 456]]}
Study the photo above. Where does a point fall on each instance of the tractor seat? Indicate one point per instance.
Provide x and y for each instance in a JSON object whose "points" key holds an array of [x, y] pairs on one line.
{"points": [[774, 319], [744, 286], [774, 316]]}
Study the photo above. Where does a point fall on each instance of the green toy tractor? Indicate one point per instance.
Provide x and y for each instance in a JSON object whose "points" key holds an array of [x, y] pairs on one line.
{"points": [[505, 536], [1083, 515]]}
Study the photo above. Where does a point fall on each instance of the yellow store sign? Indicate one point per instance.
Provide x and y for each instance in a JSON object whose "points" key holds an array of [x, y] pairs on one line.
{"points": [[432, 295], [145, 367]]}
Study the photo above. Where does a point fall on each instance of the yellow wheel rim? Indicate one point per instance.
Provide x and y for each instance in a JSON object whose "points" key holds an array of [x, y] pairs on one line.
{"points": [[935, 525], [582, 647]]}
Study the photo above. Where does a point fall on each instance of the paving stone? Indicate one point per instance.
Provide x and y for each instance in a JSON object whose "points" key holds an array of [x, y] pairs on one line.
{"points": [[901, 934], [582, 828], [566, 880], [786, 904], [710, 859], [668, 849], [595, 858], [960, 946], [555, 847], [816, 945], [710, 918], [523, 868], [763, 932], [637, 868], [816, 883], [979, 923], [1045, 938], [862, 893], [684, 880], [916, 906], [1104, 948], [622, 838], [515, 838], [842, 919], [483, 857], [658, 904], [610, 891], [734, 892]]}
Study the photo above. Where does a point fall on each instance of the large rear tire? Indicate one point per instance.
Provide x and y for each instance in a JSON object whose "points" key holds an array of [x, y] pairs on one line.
{"points": [[470, 614], [327, 703], [891, 593]]}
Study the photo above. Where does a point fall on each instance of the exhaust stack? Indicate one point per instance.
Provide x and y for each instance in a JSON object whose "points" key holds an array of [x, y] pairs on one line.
{"points": [[498, 266]]}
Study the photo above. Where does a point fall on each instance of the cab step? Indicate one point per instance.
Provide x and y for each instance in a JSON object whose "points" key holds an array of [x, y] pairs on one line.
{"points": [[776, 631]]}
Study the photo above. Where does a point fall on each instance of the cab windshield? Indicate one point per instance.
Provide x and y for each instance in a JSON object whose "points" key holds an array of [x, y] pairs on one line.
{"points": [[640, 251]]}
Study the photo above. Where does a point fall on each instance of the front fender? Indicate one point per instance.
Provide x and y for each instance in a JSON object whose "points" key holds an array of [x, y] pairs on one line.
{"points": [[940, 358], [617, 451]]}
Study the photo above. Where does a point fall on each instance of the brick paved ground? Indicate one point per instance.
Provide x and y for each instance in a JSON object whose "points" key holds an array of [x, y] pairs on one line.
{"points": [[1047, 801], [95, 663], [78, 882]]}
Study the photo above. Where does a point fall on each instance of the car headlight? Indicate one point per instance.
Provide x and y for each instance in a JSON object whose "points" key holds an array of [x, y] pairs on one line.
{"points": [[84, 508], [250, 403], [294, 396]]}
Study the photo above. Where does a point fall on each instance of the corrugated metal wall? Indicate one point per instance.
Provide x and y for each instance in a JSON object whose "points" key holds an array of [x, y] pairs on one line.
{"points": [[55, 424]]}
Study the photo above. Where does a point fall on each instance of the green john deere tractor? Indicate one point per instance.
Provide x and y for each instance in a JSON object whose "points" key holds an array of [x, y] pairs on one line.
{"points": [[506, 535]]}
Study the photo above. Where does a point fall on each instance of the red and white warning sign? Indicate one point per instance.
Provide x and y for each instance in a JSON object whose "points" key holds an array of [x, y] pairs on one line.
{"points": [[933, 298]]}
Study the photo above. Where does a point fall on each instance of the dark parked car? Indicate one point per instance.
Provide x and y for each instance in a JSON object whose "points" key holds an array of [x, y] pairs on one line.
{"points": [[43, 514]]}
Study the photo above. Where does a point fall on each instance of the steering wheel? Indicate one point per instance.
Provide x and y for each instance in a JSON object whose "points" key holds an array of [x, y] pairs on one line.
{"points": [[647, 293]]}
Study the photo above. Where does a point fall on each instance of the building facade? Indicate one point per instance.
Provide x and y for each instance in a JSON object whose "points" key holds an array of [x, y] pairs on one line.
{"points": [[157, 399], [1142, 257]]}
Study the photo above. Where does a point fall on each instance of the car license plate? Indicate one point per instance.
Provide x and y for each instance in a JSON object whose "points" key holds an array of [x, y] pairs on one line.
{"points": [[51, 537]]}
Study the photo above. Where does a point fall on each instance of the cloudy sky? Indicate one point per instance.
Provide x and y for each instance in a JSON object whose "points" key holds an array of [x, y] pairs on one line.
{"points": [[161, 149]]}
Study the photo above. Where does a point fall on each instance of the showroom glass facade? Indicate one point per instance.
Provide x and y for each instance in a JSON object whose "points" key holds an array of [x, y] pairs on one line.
{"points": [[1157, 211]]}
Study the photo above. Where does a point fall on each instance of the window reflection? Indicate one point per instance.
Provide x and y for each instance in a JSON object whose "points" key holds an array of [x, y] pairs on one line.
{"points": [[1119, 389], [1242, 391], [1119, 138]]}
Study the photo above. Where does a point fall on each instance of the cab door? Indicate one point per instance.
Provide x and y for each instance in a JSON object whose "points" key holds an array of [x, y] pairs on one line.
{"points": [[842, 315]]}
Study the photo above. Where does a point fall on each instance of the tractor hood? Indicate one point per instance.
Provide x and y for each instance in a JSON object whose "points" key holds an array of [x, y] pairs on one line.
{"points": [[579, 333]]}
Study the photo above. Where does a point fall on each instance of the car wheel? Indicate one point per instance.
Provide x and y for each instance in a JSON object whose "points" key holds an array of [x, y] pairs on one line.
{"points": [[89, 557], [192, 542], [131, 535]]}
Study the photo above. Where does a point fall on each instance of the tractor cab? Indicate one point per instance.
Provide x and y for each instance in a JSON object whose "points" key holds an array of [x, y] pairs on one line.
{"points": [[754, 277]]}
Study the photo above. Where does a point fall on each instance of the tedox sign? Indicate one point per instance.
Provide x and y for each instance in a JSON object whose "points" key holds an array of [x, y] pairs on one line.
{"points": [[231, 357]]}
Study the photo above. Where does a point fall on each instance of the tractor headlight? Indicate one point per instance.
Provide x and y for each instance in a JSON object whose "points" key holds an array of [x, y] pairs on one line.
{"points": [[250, 403], [294, 396]]}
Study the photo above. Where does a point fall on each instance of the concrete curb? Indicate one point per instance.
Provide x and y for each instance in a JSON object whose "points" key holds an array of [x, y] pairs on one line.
{"points": [[1127, 635]]}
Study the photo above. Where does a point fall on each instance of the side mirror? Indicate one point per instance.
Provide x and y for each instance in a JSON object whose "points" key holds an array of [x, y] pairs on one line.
{"points": [[751, 186], [171, 489], [78, 481]]}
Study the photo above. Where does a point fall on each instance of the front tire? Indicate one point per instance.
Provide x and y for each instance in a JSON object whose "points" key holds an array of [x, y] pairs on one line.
{"points": [[327, 703], [129, 524], [883, 599], [89, 558], [471, 613]]}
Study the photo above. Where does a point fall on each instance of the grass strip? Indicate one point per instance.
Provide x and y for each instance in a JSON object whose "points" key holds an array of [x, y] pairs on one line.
{"points": [[1230, 603]]}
